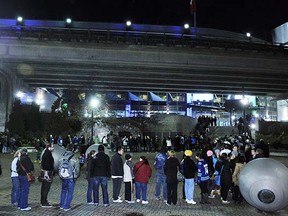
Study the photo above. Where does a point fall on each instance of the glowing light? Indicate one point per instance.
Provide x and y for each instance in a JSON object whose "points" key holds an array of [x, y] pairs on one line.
{"points": [[244, 101], [248, 34], [19, 94], [233, 117], [186, 26], [128, 23], [20, 19], [94, 103], [68, 20], [252, 126], [256, 115]]}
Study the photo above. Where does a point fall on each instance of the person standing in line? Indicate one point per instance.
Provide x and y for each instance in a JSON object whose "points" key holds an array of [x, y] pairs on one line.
{"points": [[117, 173], [89, 178], [202, 178], [142, 172], [225, 177], [159, 163], [47, 164], [128, 178], [101, 171], [240, 163], [15, 180], [171, 167], [24, 162], [189, 170], [68, 183]]}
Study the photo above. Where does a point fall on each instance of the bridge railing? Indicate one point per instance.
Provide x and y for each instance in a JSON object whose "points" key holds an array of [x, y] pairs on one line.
{"points": [[137, 38]]}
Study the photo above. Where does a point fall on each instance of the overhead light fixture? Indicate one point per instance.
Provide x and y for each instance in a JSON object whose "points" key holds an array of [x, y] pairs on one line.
{"points": [[186, 26], [19, 20], [128, 23], [68, 21], [248, 34]]}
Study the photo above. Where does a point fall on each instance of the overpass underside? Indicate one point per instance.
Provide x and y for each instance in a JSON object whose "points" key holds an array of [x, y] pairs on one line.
{"points": [[130, 67]]}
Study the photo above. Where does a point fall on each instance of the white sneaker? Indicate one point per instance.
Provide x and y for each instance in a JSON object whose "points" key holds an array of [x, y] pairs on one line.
{"points": [[138, 200], [191, 202], [130, 201], [211, 196], [26, 209], [225, 202], [90, 203], [145, 202], [117, 201]]}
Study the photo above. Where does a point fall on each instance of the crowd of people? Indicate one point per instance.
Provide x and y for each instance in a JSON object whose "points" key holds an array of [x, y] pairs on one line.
{"points": [[216, 172]]}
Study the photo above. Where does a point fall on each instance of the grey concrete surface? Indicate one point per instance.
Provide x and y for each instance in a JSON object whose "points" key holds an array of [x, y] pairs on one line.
{"points": [[155, 207]]}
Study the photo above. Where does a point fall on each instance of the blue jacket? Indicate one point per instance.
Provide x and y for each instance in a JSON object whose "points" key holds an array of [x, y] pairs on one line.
{"points": [[203, 173], [160, 162]]}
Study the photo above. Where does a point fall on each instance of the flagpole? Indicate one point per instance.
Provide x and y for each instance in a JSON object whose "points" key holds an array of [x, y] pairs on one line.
{"points": [[195, 19]]}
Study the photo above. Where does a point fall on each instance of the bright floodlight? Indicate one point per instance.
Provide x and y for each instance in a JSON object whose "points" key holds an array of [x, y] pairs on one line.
{"points": [[186, 26], [19, 94], [244, 101], [128, 23], [94, 103], [19, 19], [68, 20], [248, 34]]}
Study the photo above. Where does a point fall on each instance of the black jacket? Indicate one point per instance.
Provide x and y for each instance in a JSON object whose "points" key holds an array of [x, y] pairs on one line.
{"points": [[117, 165], [171, 167], [100, 165], [189, 168], [47, 161], [26, 162]]}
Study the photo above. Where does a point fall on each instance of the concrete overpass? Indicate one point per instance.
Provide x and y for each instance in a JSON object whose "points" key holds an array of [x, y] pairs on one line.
{"points": [[49, 55]]}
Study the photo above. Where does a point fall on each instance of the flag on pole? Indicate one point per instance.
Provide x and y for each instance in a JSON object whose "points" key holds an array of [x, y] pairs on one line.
{"points": [[192, 6]]}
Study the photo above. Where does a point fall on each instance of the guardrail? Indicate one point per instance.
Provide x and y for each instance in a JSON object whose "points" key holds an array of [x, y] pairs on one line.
{"points": [[137, 38]]}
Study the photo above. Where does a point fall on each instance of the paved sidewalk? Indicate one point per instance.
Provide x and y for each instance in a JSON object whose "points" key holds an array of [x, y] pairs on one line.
{"points": [[155, 207]]}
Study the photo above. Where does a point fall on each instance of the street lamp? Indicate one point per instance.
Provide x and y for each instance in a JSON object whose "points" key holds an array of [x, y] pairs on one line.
{"points": [[94, 103]]}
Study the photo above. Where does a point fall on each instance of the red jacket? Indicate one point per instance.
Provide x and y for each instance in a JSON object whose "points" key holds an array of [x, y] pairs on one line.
{"points": [[142, 173]]}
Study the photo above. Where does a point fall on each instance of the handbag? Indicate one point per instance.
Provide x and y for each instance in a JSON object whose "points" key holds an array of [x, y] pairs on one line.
{"points": [[180, 177], [30, 175]]}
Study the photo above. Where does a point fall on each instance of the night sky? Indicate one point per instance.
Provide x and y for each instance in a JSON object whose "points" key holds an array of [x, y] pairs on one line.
{"points": [[256, 16]]}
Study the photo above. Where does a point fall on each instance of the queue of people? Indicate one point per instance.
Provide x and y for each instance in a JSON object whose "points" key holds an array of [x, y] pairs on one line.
{"points": [[216, 172]]}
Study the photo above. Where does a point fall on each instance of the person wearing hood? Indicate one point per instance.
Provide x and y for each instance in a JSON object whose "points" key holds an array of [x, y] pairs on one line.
{"points": [[128, 178], [101, 171]]}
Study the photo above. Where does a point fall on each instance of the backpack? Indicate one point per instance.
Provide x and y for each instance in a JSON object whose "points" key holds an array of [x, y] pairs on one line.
{"points": [[65, 168]]}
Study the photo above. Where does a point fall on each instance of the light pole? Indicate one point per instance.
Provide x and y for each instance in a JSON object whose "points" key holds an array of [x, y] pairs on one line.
{"points": [[94, 103], [244, 102]]}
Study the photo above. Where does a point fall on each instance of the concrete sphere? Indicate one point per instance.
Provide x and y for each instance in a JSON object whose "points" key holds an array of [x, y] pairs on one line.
{"points": [[95, 148], [59, 153], [263, 183]]}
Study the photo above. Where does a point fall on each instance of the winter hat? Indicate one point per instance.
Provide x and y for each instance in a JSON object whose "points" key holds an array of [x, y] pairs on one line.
{"points": [[100, 148], [188, 153], [209, 153], [128, 156]]}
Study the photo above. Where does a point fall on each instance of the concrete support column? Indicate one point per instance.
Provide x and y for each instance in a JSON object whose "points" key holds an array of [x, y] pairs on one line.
{"points": [[6, 98]]}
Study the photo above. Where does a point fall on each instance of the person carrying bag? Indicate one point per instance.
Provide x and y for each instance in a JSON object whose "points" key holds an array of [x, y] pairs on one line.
{"points": [[25, 168]]}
